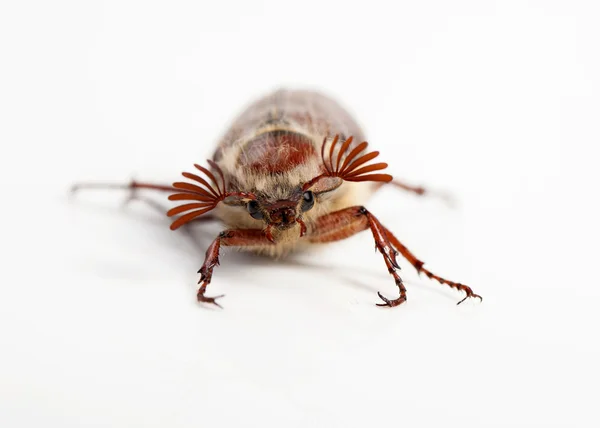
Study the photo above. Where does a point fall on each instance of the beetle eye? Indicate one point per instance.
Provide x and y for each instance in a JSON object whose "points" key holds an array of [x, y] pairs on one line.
{"points": [[308, 200], [254, 210]]}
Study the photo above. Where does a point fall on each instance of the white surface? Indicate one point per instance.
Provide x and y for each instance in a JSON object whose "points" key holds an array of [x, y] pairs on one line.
{"points": [[497, 102]]}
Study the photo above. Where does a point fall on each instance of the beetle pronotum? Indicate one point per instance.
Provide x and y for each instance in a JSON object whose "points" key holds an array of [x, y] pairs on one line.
{"points": [[292, 171]]}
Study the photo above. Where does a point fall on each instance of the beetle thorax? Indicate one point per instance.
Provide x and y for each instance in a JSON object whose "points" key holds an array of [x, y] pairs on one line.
{"points": [[273, 164]]}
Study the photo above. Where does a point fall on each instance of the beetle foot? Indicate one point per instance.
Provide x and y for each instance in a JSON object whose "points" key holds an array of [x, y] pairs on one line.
{"points": [[205, 299], [391, 303], [470, 294]]}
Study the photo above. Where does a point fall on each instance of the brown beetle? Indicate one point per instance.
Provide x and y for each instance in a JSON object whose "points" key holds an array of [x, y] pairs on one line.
{"points": [[292, 171]]}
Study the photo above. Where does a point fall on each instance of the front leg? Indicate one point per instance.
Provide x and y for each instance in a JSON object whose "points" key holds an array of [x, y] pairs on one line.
{"points": [[418, 265], [227, 238], [347, 222]]}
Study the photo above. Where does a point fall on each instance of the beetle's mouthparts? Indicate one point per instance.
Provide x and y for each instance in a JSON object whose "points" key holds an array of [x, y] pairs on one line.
{"points": [[283, 217]]}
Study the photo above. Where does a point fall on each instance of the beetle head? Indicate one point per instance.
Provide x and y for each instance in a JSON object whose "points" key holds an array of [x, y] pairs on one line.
{"points": [[282, 214]]}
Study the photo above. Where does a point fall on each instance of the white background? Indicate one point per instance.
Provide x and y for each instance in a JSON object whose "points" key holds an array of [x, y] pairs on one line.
{"points": [[495, 102]]}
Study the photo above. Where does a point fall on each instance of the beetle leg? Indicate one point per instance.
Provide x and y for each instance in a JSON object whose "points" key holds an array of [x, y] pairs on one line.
{"points": [[418, 265], [400, 185], [418, 190], [347, 222], [132, 186], [227, 238]]}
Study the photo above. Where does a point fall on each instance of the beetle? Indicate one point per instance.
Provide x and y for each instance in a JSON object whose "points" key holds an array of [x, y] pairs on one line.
{"points": [[292, 171]]}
